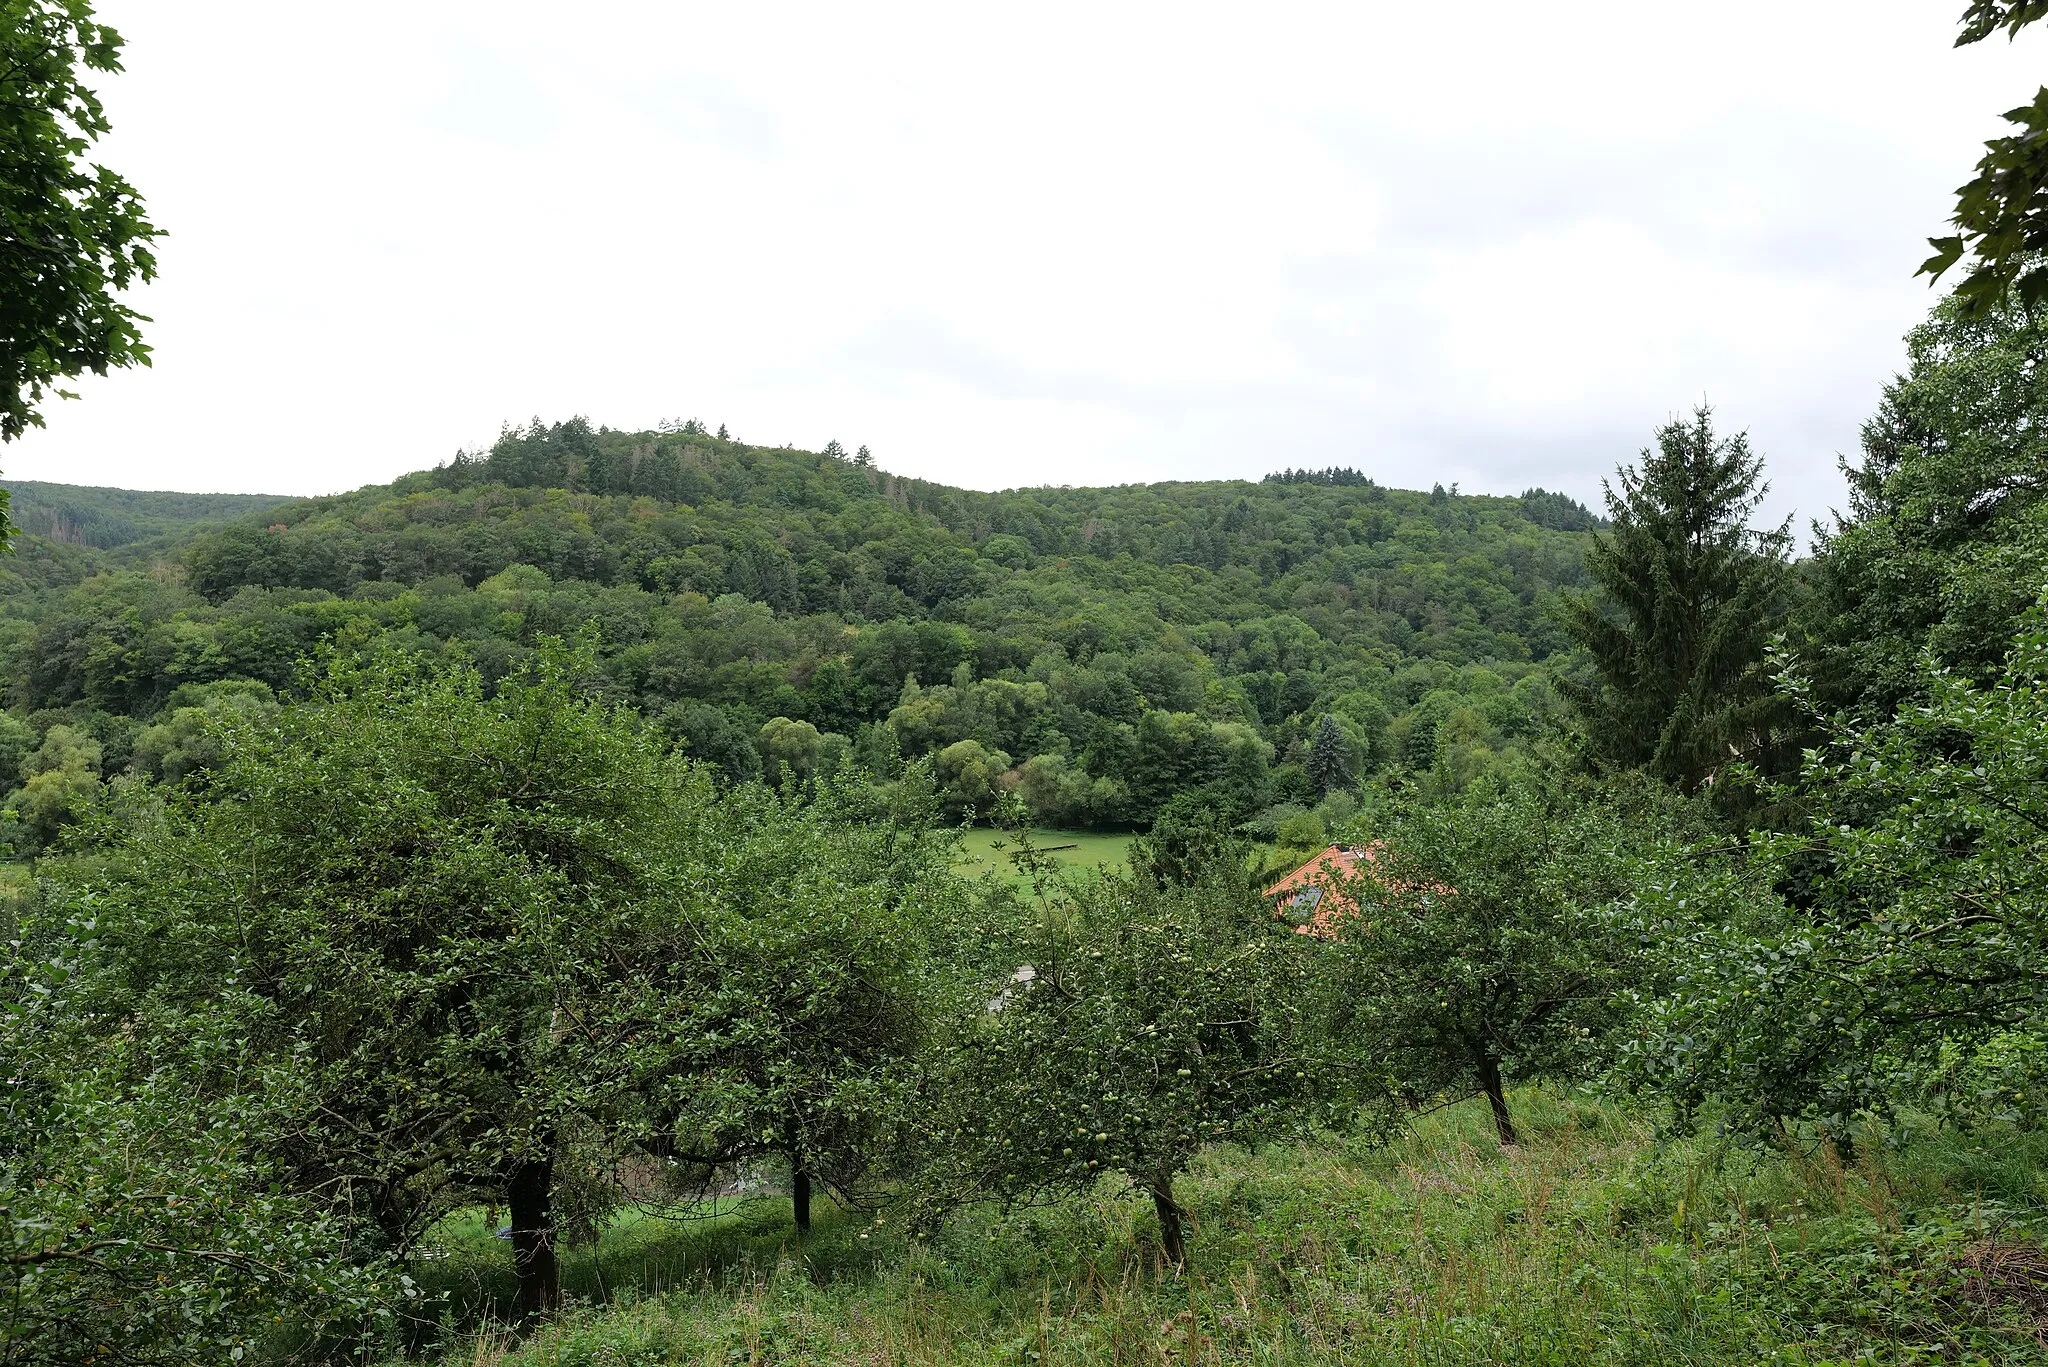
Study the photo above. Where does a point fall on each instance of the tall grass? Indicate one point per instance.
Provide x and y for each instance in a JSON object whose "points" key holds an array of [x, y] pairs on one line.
{"points": [[1594, 1242]]}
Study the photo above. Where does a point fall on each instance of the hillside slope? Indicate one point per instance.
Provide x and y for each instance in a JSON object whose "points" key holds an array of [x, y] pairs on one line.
{"points": [[111, 518], [1100, 650], [1598, 1240]]}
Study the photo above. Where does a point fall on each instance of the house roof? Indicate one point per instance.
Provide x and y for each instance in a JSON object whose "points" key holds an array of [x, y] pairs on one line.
{"points": [[1315, 895]]}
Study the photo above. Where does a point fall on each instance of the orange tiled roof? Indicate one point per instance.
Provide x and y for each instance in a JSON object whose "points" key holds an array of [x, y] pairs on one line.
{"points": [[1315, 895]]}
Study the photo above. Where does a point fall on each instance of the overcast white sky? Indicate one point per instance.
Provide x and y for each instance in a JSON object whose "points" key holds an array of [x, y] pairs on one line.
{"points": [[1491, 243]]}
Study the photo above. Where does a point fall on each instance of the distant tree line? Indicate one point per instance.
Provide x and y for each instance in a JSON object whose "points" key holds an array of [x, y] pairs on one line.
{"points": [[1334, 476], [1095, 653]]}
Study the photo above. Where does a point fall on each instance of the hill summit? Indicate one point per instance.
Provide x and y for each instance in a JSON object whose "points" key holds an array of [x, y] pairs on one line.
{"points": [[1099, 651]]}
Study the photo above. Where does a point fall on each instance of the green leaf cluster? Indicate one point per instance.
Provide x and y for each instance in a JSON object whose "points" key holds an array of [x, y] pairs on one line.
{"points": [[419, 943], [1893, 947], [1471, 948], [1127, 1024], [75, 233]]}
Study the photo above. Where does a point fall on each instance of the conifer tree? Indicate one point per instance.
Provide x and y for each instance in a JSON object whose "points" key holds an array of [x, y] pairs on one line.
{"points": [[1688, 595], [722, 434], [1329, 758], [862, 459]]}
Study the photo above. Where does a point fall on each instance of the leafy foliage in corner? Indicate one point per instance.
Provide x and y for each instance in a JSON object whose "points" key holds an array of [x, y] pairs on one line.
{"points": [[76, 233], [1865, 962], [2001, 214]]}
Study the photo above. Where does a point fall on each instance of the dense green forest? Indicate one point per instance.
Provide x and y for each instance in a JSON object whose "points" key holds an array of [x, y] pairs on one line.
{"points": [[527, 913], [1098, 650], [543, 874], [111, 519]]}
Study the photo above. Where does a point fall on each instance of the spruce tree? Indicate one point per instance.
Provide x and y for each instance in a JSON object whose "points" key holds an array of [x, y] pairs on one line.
{"points": [[1329, 757], [1688, 594]]}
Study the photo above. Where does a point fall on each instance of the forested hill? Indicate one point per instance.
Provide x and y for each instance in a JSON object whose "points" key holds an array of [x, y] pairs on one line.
{"points": [[112, 518], [1099, 649]]}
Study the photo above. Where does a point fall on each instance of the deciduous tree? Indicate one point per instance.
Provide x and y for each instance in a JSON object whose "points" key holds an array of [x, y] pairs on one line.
{"points": [[75, 234], [1842, 969], [438, 916], [1477, 954], [1133, 1023], [807, 1044]]}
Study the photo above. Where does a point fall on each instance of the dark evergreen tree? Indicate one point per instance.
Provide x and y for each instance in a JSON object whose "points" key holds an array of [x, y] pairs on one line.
{"points": [[862, 459], [1946, 536], [1329, 757], [834, 451], [722, 435], [1688, 594]]}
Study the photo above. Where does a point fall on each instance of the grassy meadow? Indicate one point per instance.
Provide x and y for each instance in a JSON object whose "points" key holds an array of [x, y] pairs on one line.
{"points": [[1071, 849], [1595, 1241]]}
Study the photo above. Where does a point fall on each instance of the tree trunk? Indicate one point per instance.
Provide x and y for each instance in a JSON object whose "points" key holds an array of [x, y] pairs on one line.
{"points": [[1169, 1220], [528, 1194], [800, 1194], [799, 1178], [1489, 1080]]}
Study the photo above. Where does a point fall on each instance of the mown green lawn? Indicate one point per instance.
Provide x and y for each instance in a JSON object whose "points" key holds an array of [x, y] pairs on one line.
{"points": [[1072, 849]]}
